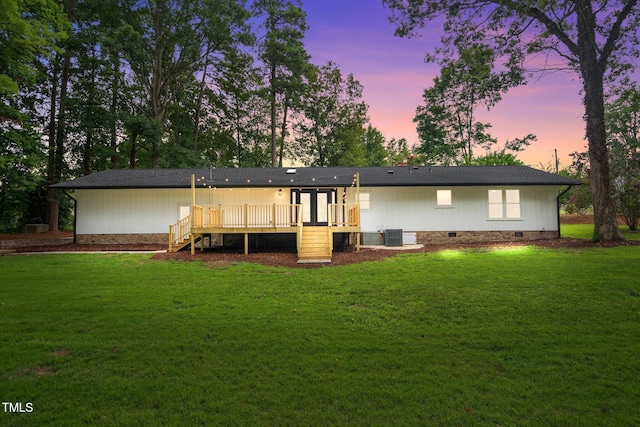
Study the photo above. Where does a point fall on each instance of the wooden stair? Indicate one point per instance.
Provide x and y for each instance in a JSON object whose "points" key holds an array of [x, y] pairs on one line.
{"points": [[315, 245], [183, 243]]}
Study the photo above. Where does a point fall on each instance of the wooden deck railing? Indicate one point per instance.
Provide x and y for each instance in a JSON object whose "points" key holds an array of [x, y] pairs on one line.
{"points": [[180, 231], [260, 218], [344, 215], [246, 216]]}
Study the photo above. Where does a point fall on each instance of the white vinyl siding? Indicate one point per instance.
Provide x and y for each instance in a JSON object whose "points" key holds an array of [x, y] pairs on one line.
{"points": [[416, 209], [153, 210], [407, 208]]}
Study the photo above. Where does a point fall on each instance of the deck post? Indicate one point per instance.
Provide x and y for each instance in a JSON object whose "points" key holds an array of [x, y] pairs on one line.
{"points": [[273, 217], [193, 193], [193, 207], [358, 210], [246, 243]]}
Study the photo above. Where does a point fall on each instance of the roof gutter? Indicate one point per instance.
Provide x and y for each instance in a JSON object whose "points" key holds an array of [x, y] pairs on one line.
{"points": [[558, 205]]}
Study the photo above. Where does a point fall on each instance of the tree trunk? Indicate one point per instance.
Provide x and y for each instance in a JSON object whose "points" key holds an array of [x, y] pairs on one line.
{"points": [[274, 161], [592, 71], [604, 214], [283, 131], [113, 110], [61, 135], [52, 207], [133, 152], [196, 119], [88, 143]]}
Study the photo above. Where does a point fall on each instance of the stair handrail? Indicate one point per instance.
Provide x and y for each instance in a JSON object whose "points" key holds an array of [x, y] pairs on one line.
{"points": [[179, 231]]}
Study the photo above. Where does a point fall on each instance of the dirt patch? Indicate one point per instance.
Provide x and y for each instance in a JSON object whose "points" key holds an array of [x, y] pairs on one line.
{"points": [[576, 219], [582, 219], [72, 247], [60, 352], [50, 235]]}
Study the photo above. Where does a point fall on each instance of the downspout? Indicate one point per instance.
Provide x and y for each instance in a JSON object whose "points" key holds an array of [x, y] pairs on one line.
{"points": [[75, 215], [558, 206]]}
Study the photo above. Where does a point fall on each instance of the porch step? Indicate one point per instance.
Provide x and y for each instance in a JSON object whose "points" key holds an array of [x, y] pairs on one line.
{"points": [[182, 244], [315, 245]]}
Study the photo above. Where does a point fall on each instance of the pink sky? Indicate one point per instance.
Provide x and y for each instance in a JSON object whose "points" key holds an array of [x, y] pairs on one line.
{"points": [[356, 35]]}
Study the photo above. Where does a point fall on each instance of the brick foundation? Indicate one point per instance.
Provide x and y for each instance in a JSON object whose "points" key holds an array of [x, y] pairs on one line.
{"points": [[431, 237], [123, 239], [423, 237]]}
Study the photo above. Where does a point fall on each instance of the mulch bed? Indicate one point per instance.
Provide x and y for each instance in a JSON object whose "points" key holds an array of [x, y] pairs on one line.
{"points": [[350, 256], [346, 256]]}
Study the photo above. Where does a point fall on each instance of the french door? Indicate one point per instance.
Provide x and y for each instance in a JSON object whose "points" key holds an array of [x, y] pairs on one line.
{"points": [[315, 205]]}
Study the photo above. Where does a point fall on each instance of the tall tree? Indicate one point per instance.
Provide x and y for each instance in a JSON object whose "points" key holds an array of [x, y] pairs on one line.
{"points": [[593, 37], [332, 131], [286, 60], [375, 147], [242, 115], [28, 30], [447, 125]]}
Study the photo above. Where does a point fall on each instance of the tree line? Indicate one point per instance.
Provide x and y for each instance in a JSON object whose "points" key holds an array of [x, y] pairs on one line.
{"points": [[87, 85]]}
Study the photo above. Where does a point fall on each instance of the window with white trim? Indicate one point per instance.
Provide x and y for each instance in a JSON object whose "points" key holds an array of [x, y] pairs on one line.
{"points": [[504, 204], [443, 198], [365, 200]]}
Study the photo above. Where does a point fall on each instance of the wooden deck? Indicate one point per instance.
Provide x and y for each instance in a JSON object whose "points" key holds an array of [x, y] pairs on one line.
{"points": [[314, 243]]}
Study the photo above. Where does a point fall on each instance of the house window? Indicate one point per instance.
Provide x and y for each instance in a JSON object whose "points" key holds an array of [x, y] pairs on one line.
{"points": [[504, 204], [513, 203], [365, 201], [443, 198]]}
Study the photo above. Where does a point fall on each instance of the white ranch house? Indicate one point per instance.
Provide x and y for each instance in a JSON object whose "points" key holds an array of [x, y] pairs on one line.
{"points": [[370, 205]]}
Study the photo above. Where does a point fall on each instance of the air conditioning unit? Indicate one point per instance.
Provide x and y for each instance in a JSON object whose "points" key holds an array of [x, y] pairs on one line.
{"points": [[393, 237]]}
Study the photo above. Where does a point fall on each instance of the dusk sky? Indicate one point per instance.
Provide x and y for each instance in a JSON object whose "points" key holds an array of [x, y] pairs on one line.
{"points": [[358, 37]]}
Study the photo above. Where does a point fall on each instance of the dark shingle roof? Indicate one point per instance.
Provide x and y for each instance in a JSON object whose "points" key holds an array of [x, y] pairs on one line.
{"points": [[319, 177]]}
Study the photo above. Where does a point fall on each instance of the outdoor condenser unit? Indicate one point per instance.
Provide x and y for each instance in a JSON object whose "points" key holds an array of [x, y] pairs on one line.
{"points": [[393, 237]]}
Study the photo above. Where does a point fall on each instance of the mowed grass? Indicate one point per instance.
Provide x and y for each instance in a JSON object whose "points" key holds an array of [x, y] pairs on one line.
{"points": [[585, 231], [517, 336]]}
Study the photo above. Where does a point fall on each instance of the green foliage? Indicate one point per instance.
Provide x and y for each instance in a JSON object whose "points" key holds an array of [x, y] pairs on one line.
{"points": [[446, 124], [27, 29], [580, 198], [623, 135], [21, 160], [332, 131], [504, 336]]}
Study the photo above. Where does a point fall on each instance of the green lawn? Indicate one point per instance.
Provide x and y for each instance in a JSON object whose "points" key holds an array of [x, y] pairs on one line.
{"points": [[585, 231], [520, 336]]}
